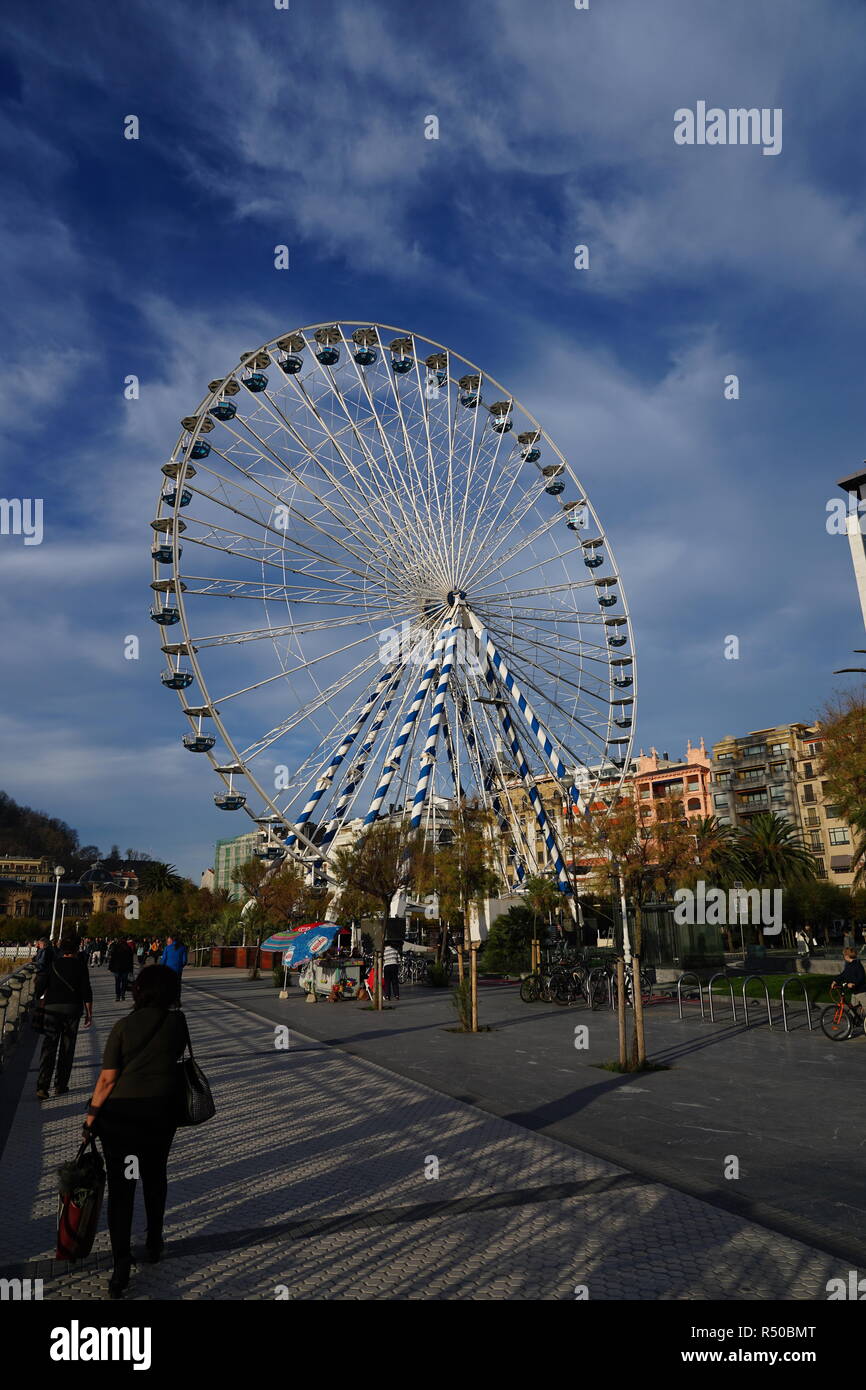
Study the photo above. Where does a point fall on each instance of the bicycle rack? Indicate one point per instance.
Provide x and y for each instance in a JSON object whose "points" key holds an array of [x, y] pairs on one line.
{"points": [[598, 971], [689, 974], [766, 996], [796, 979], [720, 975]]}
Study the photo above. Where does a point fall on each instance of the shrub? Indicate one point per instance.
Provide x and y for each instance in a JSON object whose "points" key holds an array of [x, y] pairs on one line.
{"points": [[437, 976]]}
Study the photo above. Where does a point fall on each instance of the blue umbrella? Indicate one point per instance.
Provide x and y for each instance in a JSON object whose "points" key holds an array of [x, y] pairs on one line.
{"points": [[312, 941]]}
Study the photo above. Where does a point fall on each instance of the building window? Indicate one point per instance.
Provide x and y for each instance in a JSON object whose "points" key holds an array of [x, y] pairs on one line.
{"points": [[694, 784], [813, 749], [644, 791], [720, 800], [833, 812], [819, 868], [807, 770], [809, 793], [815, 837], [840, 837], [778, 747], [725, 758], [778, 793], [694, 803]]}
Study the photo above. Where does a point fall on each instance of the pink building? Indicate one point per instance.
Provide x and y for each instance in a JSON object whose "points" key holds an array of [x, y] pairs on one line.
{"points": [[657, 778]]}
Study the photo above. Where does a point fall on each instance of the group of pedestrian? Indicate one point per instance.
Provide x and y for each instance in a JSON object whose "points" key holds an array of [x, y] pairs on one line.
{"points": [[133, 1109]]}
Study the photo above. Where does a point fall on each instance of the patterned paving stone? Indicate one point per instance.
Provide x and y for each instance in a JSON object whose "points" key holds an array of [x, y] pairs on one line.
{"points": [[310, 1184]]}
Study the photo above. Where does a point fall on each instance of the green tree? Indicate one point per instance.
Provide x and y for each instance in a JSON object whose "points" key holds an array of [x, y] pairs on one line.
{"points": [[461, 873], [280, 896], [651, 860], [843, 764], [384, 861], [773, 852], [157, 877], [507, 946]]}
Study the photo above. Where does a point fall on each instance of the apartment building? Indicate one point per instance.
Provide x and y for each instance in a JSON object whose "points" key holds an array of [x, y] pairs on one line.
{"points": [[776, 770]]}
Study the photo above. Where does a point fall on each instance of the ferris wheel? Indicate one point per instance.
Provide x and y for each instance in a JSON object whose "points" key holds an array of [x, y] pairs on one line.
{"points": [[382, 589]]}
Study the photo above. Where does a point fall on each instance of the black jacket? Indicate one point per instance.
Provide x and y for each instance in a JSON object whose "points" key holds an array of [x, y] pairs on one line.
{"points": [[854, 975], [120, 961], [65, 987]]}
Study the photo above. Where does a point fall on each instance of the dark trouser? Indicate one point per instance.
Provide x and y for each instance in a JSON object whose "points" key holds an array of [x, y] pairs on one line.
{"points": [[58, 1045], [150, 1143], [121, 983], [391, 975]]}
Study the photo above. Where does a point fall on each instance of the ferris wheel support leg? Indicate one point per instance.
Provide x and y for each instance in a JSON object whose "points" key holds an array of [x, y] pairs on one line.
{"points": [[328, 775], [496, 662], [547, 830], [429, 753], [357, 772], [517, 851], [396, 754]]}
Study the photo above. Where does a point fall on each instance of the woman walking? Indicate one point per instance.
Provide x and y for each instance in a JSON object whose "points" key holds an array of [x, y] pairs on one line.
{"points": [[65, 992], [134, 1110]]}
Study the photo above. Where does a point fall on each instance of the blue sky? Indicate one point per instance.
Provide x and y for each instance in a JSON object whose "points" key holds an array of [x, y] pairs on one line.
{"points": [[305, 127]]}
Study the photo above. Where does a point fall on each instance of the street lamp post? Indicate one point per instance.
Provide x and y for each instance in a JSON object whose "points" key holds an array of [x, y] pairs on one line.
{"points": [[59, 871], [855, 486]]}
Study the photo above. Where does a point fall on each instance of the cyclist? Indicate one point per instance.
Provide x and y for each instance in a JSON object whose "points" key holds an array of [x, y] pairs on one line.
{"points": [[852, 980]]}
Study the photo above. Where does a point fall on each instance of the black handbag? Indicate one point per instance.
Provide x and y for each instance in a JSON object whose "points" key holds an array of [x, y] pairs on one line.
{"points": [[196, 1102], [81, 1183]]}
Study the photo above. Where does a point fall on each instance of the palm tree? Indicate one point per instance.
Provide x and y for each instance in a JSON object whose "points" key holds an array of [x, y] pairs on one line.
{"points": [[718, 855], [773, 852], [156, 877]]}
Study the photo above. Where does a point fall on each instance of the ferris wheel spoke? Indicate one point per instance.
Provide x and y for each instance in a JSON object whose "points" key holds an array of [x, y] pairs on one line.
{"points": [[293, 629], [530, 499], [304, 711], [296, 541], [482, 584], [499, 559], [493, 471], [395, 486], [293, 670], [302, 517], [350, 502], [569, 716]]}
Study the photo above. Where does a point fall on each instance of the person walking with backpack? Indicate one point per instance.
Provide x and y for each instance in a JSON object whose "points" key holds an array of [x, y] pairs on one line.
{"points": [[175, 956], [65, 993], [135, 1110], [120, 963]]}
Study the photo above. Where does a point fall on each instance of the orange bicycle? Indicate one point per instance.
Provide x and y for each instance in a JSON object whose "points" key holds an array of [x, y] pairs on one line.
{"points": [[839, 1020]]}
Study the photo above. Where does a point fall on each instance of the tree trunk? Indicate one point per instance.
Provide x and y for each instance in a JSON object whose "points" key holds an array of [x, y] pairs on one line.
{"points": [[254, 968], [473, 986], [378, 957], [620, 1012], [639, 1043], [639, 1030]]}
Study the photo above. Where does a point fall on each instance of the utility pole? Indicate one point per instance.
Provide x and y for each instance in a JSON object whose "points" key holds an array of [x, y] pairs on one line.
{"points": [[855, 487]]}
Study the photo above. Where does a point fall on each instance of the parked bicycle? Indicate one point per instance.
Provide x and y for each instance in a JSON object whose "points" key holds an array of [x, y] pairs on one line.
{"points": [[841, 1019]]}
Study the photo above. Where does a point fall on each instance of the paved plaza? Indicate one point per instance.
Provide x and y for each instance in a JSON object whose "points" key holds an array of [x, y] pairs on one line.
{"points": [[326, 1176]]}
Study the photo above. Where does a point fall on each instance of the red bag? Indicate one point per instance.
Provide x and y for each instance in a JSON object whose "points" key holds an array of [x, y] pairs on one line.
{"points": [[82, 1183]]}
